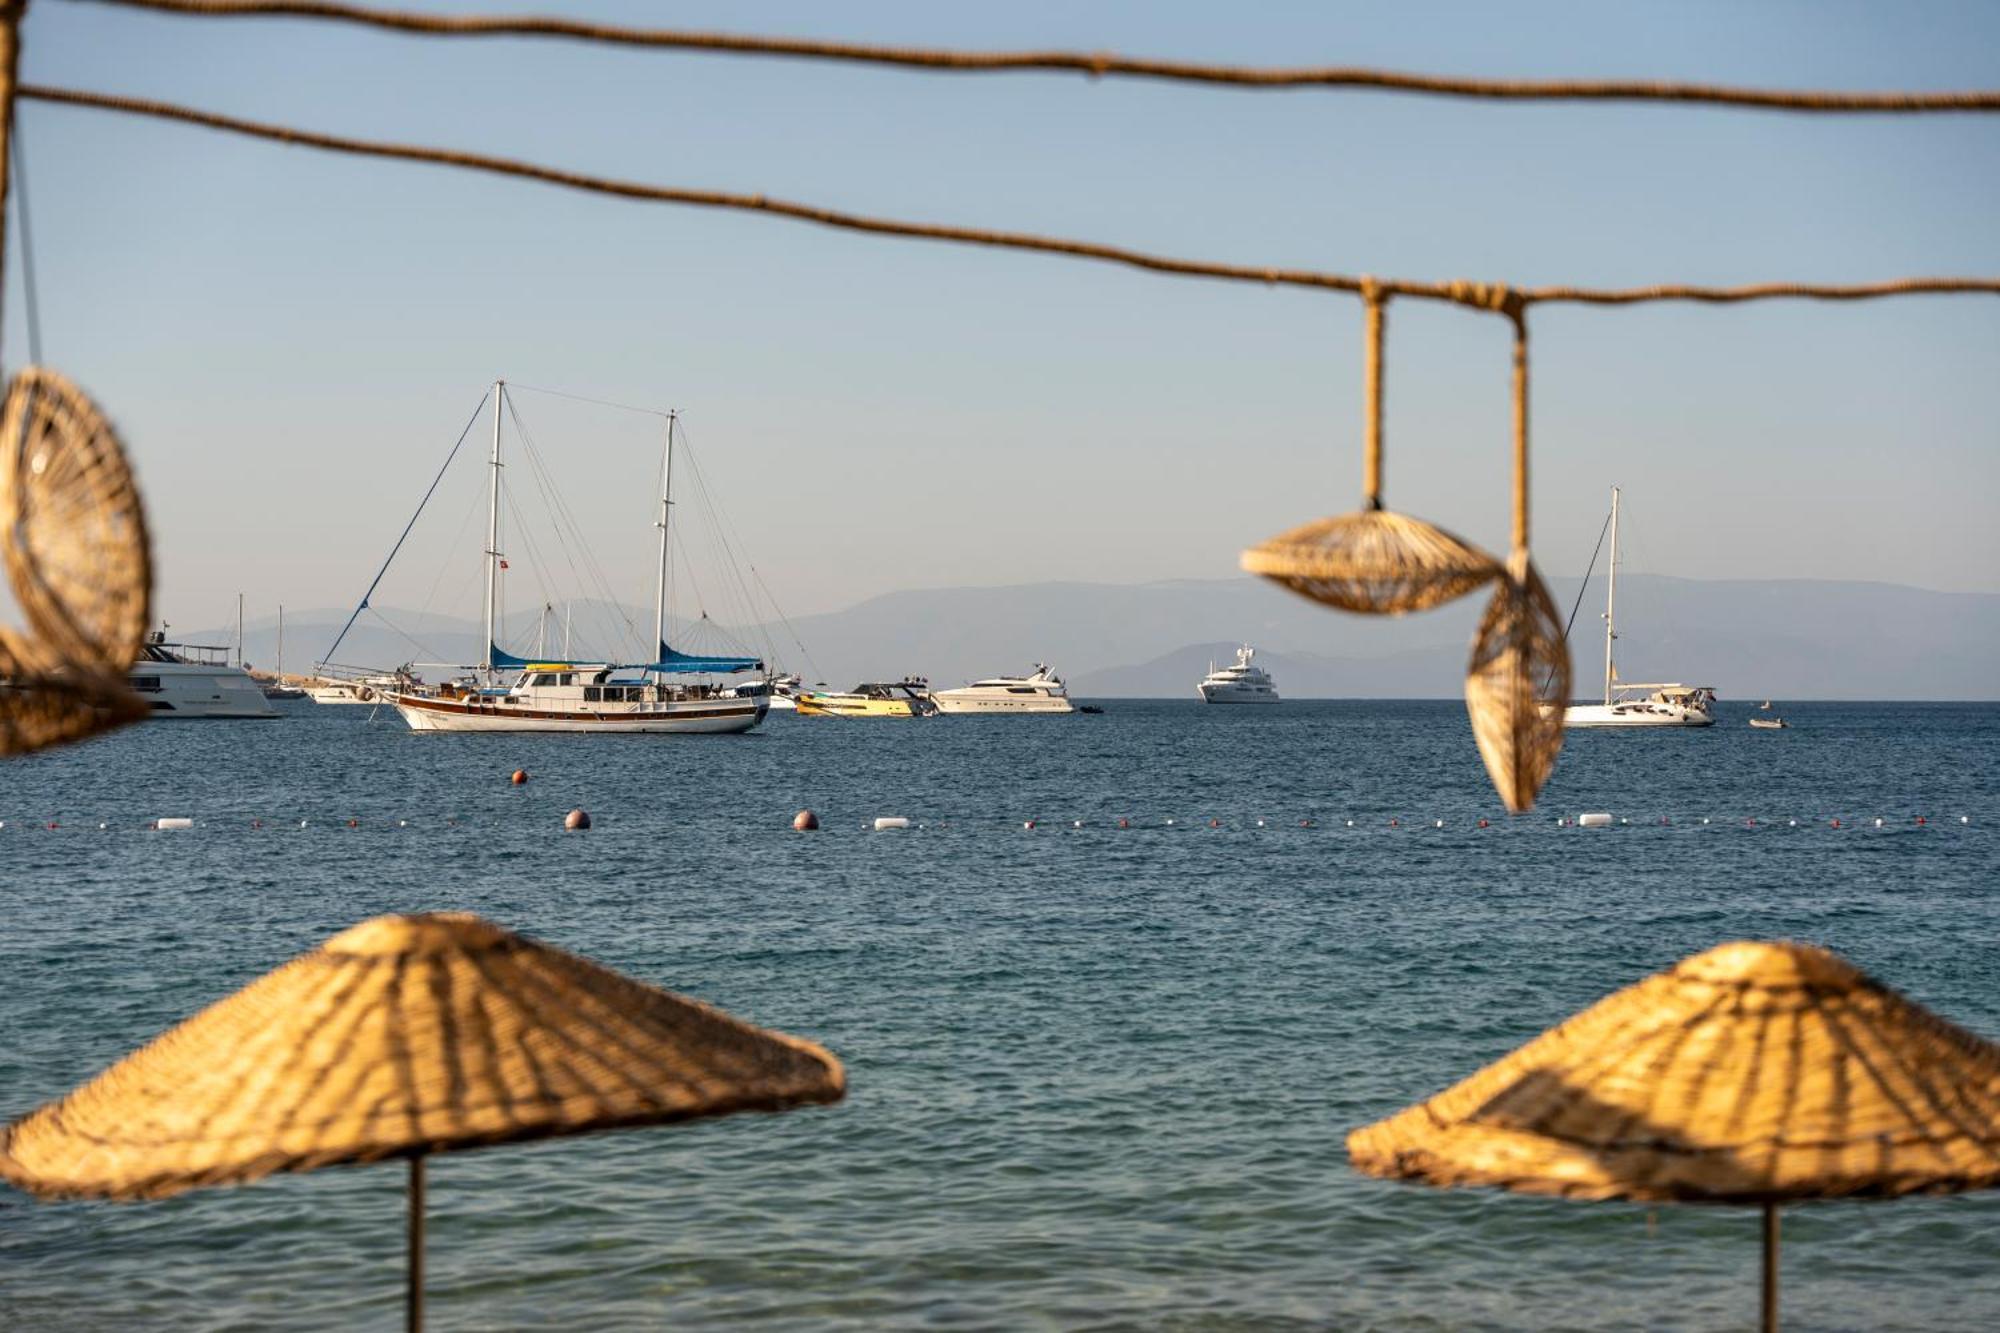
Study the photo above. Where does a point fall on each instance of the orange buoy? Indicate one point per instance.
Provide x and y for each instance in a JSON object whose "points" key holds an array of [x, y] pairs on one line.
{"points": [[354, 823], [520, 778], [1028, 823], [805, 821], [576, 821], [1922, 820], [1483, 824], [1124, 823], [1215, 823]]}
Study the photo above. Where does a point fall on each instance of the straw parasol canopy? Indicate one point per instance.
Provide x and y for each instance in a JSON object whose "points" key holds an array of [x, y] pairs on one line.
{"points": [[40, 707], [1755, 1073], [1373, 562], [73, 538], [403, 1036], [75, 543]]}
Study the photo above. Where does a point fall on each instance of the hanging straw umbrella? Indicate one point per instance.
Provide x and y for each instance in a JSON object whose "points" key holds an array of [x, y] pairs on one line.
{"points": [[1755, 1073], [1375, 561], [73, 539], [400, 1037]]}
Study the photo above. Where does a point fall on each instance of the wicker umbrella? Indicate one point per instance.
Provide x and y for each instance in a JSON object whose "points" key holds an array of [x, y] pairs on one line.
{"points": [[400, 1037], [73, 538], [1755, 1073], [1374, 561]]}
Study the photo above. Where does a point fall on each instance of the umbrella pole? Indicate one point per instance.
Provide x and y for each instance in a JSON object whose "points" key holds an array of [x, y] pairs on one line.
{"points": [[413, 1298], [1770, 1324]]}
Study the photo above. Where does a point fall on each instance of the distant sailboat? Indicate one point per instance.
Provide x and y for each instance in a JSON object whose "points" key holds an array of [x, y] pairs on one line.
{"points": [[1637, 705], [577, 696]]}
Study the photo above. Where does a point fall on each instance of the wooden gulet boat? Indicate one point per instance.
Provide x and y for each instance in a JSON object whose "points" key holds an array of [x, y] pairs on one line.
{"points": [[643, 698]]}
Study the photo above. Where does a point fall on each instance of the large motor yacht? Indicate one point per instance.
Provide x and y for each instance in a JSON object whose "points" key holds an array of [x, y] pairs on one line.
{"points": [[1041, 691], [1239, 684], [189, 680]]}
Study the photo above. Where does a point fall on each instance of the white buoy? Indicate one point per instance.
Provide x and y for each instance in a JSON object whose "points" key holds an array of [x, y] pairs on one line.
{"points": [[1595, 819], [1704, 819], [890, 821], [1260, 823], [1624, 821], [1965, 819], [172, 823], [402, 823], [1170, 823], [302, 823], [1350, 823], [103, 825], [1791, 823], [1878, 823], [1437, 823]]}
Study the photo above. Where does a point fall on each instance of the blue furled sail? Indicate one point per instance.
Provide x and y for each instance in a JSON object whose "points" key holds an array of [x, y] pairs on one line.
{"points": [[670, 662], [678, 662]]}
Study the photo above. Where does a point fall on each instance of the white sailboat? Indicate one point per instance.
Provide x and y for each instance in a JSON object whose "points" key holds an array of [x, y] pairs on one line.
{"points": [[582, 696], [1624, 705]]}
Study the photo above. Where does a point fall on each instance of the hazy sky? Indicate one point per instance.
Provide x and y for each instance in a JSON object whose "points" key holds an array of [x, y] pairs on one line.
{"points": [[291, 341]]}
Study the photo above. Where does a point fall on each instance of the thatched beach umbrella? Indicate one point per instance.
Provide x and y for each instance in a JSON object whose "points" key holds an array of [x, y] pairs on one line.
{"points": [[400, 1037], [1751, 1074]]}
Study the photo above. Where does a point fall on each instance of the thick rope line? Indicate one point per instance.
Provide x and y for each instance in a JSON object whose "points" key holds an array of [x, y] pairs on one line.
{"points": [[1496, 298], [1375, 314], [1094, 64]]}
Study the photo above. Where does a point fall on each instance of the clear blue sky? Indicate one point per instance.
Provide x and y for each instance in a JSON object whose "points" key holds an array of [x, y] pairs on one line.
{"points": [[291, 340]]}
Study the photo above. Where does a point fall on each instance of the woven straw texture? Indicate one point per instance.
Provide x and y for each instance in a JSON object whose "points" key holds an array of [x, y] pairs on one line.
{"points": [[404, 1035], [1753, 1073], [76, 546], [40, 707], [1516, 685], [1374, 562]]}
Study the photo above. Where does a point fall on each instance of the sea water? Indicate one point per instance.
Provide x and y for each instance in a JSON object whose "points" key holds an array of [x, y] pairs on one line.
{"points": [[1100, 1076]]}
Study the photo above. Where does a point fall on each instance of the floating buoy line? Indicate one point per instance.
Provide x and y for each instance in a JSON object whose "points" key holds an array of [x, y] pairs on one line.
{"points": [[804, 820]]}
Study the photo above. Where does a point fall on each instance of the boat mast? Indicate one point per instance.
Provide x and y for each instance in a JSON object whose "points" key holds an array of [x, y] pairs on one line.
{"points": [[493, 532], [567, 606], [239, 630], [666, 505], [1611, 602], [281, 642]]}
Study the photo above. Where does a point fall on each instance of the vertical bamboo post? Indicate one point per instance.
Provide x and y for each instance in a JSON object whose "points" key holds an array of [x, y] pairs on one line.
{"points": [[1770, 1321], [413, 1298], [1375, 303], [11, 13], [1518, 313]]}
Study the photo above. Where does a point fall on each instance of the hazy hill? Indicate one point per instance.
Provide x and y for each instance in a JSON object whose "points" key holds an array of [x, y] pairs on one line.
{"points": [[1790, 639]]}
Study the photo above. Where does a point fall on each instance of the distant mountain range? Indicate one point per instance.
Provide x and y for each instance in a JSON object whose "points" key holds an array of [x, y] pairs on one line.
{"points": [[1782, 639]]}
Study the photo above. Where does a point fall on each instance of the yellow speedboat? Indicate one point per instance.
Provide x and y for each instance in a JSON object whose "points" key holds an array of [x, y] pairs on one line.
{"points": [[909, 697]]}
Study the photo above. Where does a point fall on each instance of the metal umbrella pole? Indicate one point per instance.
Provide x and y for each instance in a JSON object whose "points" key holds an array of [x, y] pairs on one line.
{"points": [[413, 1297]]}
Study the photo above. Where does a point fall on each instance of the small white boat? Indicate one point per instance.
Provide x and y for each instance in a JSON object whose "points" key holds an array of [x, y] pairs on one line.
{"points": [[1637, 705], [1768, 723], [1040, 691], [779, 692], [374, 689], [1239, 684], [189, 680]]}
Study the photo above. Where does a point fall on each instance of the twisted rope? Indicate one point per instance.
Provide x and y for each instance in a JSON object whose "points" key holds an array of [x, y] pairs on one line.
{"points": [[1094, 64], [1479, 296], [1375, 305]]}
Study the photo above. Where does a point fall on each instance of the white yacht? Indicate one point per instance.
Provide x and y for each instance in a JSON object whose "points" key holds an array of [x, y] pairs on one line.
{"points": [[187, 680], [1625, 705], [1239, 684], [359, 690], [778, 691], [1040, 691]]}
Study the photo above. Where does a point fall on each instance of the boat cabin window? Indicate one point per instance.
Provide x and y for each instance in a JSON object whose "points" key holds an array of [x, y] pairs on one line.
{"points": [[1020, 689], [542, 678], [146, 684]]}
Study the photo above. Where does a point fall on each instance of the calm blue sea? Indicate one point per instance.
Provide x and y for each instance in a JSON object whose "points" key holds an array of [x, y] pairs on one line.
{"points": [[1099, 1077]]}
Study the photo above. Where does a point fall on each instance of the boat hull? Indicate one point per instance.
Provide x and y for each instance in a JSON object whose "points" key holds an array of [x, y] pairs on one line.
{"points": [[951, 701], [692, 717], [1634, 715], [1223, 694], [835, 706]]}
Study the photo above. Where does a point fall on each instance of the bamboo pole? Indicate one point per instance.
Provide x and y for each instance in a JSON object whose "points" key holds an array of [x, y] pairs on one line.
{"points": [[11, 14], [413, 1298], [1770, 1320]]}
